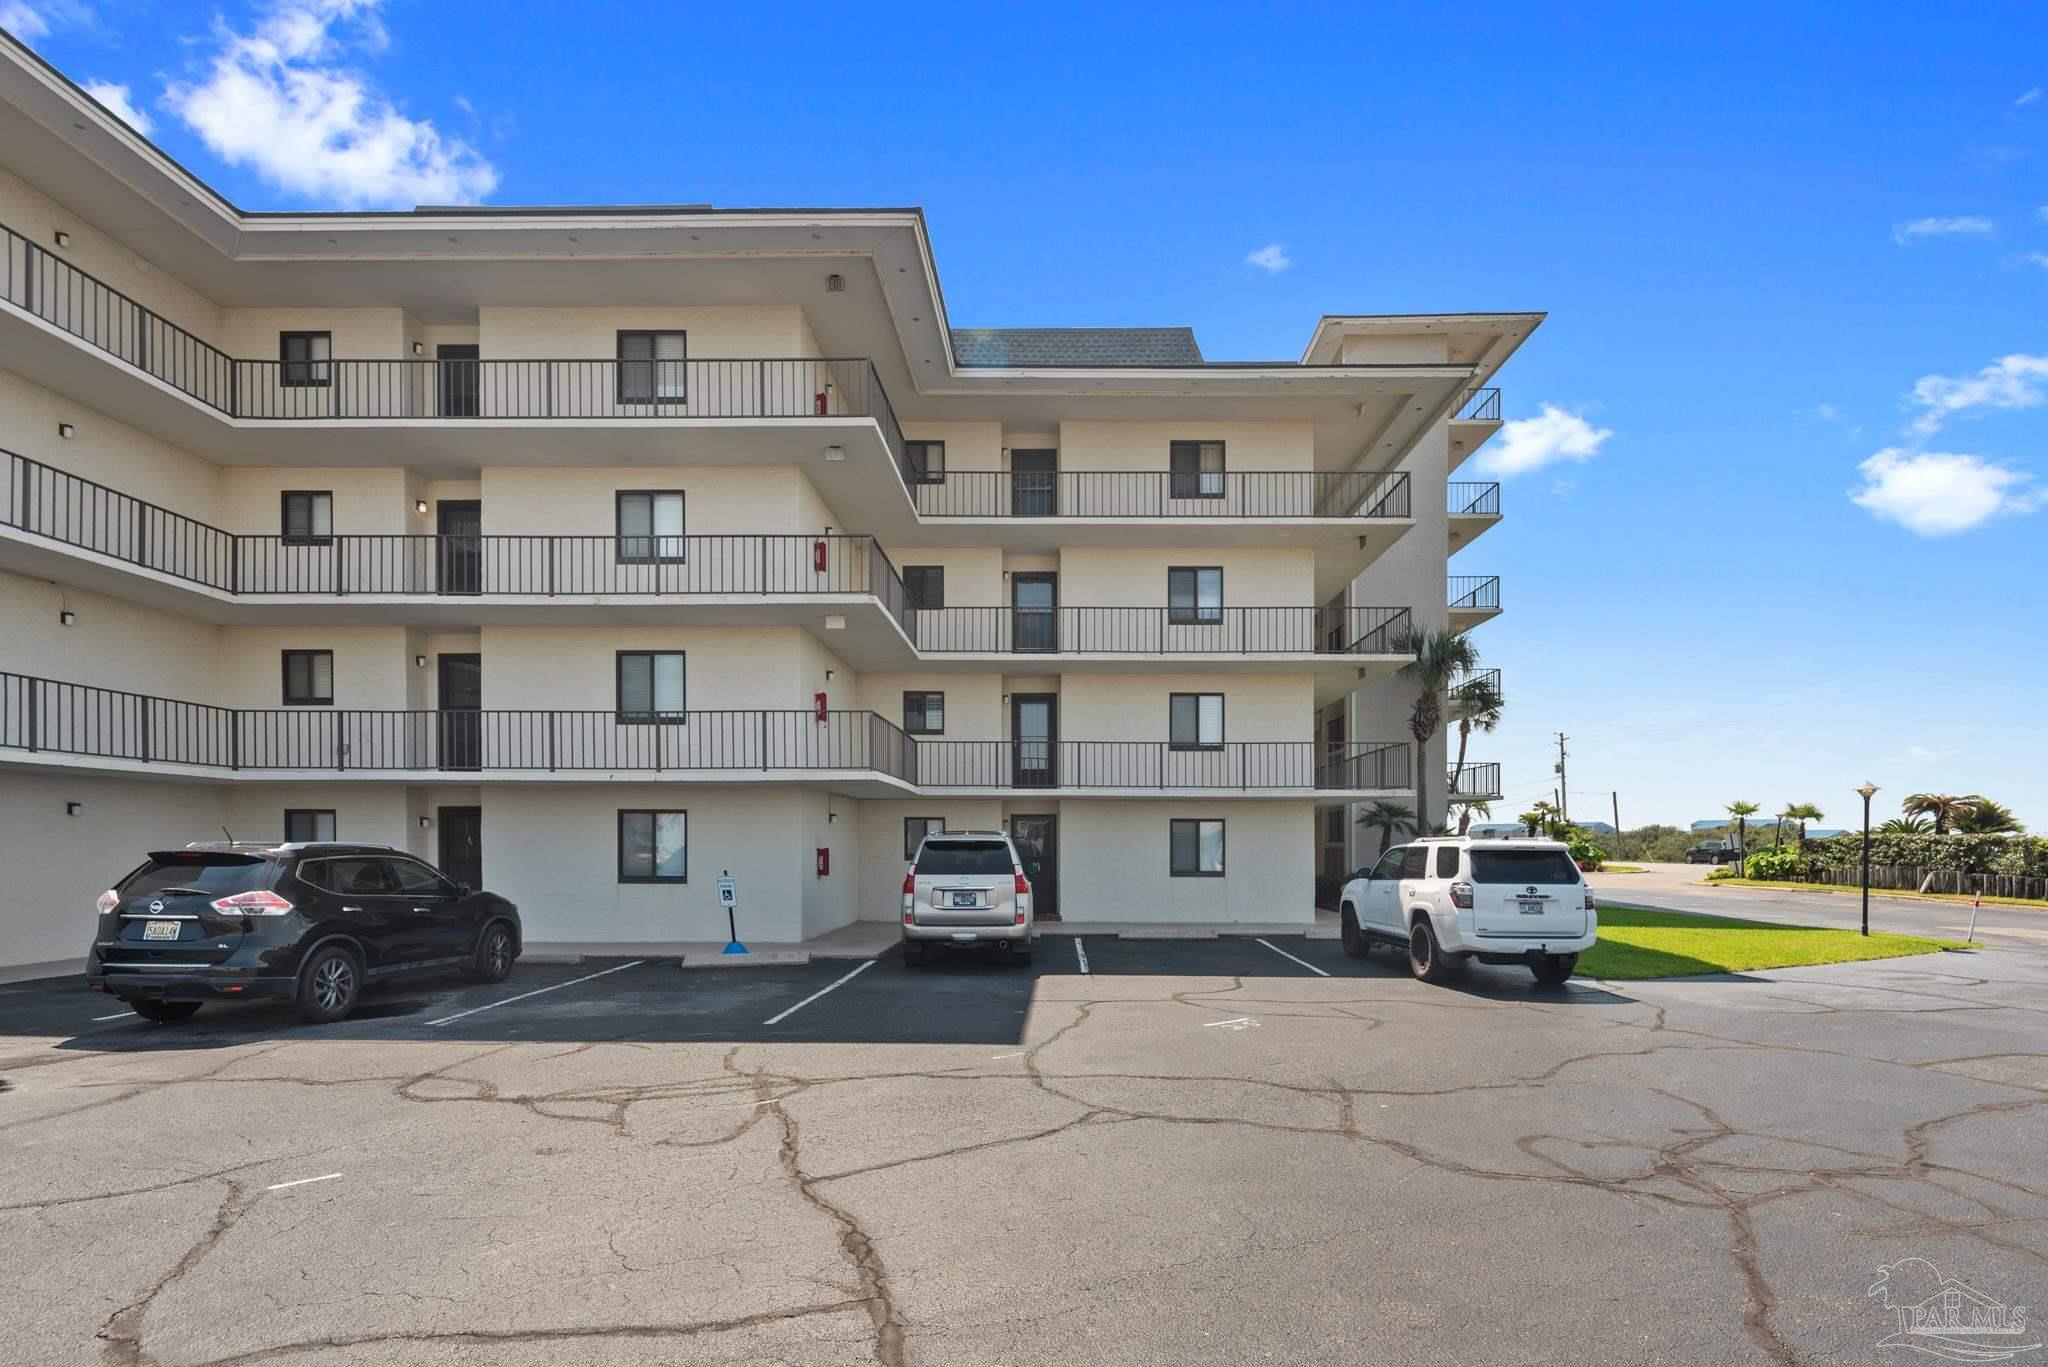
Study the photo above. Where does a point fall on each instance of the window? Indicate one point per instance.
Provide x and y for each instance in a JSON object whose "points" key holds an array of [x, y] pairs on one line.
{"points": [[1523, 866], [927, 461], [651, 367], [916, 828], [1197, 848], [651, 524], [1389, 865], [924, 714], [305, 359], [356, 875], [309, 678], [1447, 861], [965, 858], [650, 685], [308, 823], [1197, 469], [414, 879], [308, 516], [926, 585], [653, 847], [1194, 596], [1195, 721], [1414, 862], [1333, 826]]}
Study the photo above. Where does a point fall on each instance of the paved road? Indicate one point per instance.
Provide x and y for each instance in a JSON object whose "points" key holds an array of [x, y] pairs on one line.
{"points": [[1197, 1152], [1677, 887]]}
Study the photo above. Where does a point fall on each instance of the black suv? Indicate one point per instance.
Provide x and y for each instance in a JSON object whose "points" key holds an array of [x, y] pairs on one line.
{"points": [[309, 923]]}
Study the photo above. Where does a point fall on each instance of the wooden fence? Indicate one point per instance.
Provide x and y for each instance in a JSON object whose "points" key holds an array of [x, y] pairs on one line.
{"points": [[1910, 877]]}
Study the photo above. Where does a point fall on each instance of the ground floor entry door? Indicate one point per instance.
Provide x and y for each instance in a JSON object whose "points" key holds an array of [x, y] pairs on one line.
{"points": [[1037, 841], [462, 844]]}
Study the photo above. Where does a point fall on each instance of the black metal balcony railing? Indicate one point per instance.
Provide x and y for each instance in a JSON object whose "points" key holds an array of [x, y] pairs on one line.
{"points": [[49, 716], [1480, 405], [1474, 593], [1474, 500], [1476, 782], [1159, 631], [1161, 493], [1489, 678]]}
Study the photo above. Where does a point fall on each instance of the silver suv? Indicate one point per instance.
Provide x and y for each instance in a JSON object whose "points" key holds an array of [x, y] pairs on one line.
{"points": [[966, 888]]}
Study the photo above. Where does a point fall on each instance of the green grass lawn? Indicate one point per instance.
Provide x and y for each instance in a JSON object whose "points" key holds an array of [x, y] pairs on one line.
{"points": [[1635, 943], [1620, 868]]}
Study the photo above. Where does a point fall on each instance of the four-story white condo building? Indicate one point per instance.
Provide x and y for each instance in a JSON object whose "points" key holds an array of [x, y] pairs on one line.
{"points": [[595, 552]]}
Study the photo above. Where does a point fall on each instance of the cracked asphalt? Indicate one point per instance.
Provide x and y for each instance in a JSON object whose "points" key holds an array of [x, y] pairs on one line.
{"points": [[1198, 1152]]}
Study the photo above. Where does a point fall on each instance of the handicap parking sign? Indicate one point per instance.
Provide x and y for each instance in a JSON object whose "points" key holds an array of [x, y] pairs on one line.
{"points": [[726, 896]]}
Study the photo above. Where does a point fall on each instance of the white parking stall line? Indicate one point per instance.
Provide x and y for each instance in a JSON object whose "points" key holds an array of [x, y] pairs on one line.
{"points": [[118, 1015], [1234, 1020], [488, 1006], [1081, 954], [280, 1186], [781, 1016], [1320, 973]]}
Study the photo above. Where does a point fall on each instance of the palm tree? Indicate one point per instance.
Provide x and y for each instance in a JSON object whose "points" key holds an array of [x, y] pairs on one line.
{"points": [[1468, 810], [1440, 656], [1943, 809], [1532, 820], [1389, 819], [1906, 825], [1803, 812], [1742, 812], [1986, 817], [1479, 704]]}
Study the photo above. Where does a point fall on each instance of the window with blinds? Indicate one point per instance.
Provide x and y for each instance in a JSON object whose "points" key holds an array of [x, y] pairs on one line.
{"points": [[1195, 721], [651, 367], [1197, 469], [651, 685], [1194, 595], [308, 516], [651, 524], [308, 678]]}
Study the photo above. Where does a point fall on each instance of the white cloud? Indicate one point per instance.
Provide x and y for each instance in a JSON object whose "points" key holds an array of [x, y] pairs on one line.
{"points": [[1531, 443], [2015, 381], [1826, 412], [23, 20], [282, 100], [1939, 493], [1905, 234], [2028, 98], [1271, 258], [116, 98]]}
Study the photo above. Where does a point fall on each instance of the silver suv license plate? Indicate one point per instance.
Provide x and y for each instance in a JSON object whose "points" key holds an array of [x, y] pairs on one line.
{"points": [[964, 899], [160, 930]]}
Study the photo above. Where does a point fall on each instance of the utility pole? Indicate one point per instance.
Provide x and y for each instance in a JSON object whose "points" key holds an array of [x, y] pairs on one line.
{"points": [[1564, 797], [1619, 849]]}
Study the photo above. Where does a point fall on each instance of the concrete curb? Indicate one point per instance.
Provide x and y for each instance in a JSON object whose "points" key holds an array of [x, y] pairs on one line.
{"points": [[551, 958], [1169, 933], [770, 958]]}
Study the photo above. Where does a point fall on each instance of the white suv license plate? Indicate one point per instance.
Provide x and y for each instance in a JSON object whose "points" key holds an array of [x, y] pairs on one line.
{"points": [[966, 899], [1530, 908], [160, 930]]}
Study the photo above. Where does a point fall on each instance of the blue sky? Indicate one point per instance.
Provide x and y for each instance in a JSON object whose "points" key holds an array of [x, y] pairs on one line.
{"points": [[1786, 258]]}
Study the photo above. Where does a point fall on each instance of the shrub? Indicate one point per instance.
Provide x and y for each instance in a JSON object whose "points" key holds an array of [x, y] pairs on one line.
{"points": [[1969, 853], [1328, 886], [1773, 862], [1585, 853], [1719, 872]]}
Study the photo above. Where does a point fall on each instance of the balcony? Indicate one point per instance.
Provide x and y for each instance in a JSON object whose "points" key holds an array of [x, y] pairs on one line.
{"points": [[1475, 783], [50, 723], [1473, 599], [1477, 418], [1473, 510], [1488, 677]]}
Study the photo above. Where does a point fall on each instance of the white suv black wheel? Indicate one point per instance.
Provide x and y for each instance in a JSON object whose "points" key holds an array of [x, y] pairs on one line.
{"points": [[1553, 969], [1426, 958], [1355, 943]]}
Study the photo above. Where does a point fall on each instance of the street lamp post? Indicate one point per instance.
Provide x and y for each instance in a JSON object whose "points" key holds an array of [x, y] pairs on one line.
{"points": [[1868, 790]]}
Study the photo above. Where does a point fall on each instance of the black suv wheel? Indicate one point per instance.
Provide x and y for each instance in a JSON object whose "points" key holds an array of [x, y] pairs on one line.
{"points": [[493, 954], [1355, 943], [329, 983]]}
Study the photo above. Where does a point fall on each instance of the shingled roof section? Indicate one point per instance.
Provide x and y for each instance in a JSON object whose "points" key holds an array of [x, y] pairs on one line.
{"points": [[1015, 348]]}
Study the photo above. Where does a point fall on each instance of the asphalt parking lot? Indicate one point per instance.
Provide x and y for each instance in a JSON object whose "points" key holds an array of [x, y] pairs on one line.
{"points": [[1221, 1150]]}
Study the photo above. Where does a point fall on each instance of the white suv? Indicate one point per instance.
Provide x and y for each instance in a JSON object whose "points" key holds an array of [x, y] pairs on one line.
{"points": [[1457, 898]]}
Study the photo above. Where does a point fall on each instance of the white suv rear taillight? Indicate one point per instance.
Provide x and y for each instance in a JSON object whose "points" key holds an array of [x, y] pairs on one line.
{"points": [[108, 901], [1461, 896], [258, 903], [1589, 897]]}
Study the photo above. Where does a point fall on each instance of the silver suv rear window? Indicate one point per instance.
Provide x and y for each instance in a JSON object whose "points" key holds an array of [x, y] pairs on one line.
{"points": [[1523, 866], [952, 858]]}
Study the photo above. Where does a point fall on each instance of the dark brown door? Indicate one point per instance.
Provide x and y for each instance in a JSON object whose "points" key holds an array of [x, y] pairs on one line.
{"points": [[462, 700], [1034, 612], [462, 844], [1037, 842], [1034, 740], [460, 523], [1034, 484], [459, 371]]}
